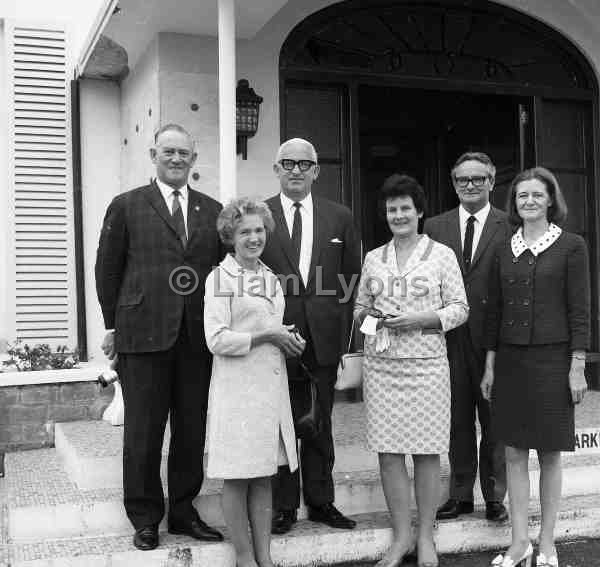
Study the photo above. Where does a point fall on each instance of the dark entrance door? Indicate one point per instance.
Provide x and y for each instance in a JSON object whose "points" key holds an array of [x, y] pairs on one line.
{"points": [[422, 133], [403, 85]]}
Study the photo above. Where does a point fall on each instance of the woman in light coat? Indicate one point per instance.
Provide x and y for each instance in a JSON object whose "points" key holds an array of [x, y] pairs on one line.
{"points": [[250, 427]]}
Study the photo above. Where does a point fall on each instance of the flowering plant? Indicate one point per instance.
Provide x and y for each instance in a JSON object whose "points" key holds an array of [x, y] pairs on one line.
{"points": [[39, 357]]}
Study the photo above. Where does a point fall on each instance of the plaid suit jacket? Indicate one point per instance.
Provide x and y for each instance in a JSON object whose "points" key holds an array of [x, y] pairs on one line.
{"points": [[146, 280]]}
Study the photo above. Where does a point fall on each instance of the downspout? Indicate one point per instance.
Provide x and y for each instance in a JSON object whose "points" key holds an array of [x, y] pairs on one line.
{"points": [[78, 222]]}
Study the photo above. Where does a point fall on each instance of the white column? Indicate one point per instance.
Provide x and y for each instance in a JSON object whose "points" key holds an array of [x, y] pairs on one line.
{"points": [[227, 84]]}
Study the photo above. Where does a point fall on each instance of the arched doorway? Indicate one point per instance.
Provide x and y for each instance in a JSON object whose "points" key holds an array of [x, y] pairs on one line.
{"points": [[387, 85]]}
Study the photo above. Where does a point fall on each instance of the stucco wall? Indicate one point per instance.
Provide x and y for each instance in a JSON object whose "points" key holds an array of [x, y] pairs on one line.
{"points": [[140, 116], [188, 80], [101, 154]]}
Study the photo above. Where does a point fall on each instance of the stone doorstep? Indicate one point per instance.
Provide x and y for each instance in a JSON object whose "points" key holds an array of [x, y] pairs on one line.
{"points": [[103, 513], [91, 453], [308, 544]]}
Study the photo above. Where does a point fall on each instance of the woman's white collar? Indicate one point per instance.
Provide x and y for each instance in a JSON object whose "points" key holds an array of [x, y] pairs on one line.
{"points": [[544, 242]]}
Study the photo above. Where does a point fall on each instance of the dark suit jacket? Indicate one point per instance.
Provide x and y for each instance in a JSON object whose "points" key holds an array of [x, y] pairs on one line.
{"points": [[137, 255], [543, 300], [316, 309], [445, 228]]}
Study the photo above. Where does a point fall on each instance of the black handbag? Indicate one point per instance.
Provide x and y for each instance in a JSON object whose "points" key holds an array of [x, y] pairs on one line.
{"points": [[309, 424]]}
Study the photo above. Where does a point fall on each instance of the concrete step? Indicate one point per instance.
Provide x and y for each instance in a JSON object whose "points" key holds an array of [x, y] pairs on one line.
{"points": [[308, 544], [44, 502], [92, 450]]}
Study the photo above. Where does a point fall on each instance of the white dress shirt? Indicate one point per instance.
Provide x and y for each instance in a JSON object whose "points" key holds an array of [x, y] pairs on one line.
{"points": [[480, 218], [167, 193], [306, 213]]}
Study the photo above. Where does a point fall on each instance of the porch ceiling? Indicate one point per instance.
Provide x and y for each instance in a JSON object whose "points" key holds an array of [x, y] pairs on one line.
{"points": [[140, 20]]}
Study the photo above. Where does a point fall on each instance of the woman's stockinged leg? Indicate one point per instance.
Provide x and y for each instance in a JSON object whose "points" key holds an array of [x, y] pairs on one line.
{"points": [[235, 511], [260, 512], [550, 494], [427, 496], [396, 487], [517, 476]]}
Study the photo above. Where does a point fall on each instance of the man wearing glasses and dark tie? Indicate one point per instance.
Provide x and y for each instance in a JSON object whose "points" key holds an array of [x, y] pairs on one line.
{"points": [[473, 230], [314, 246]]}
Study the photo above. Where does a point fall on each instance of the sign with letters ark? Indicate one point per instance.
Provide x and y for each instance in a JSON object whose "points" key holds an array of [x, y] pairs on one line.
{"points": [[587, 440]]}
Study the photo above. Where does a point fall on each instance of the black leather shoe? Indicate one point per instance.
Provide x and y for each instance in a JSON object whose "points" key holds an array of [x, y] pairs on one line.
{"points": [[453, 509], [328, 514], [195, 528], [146, 538], [283, 520], [496, 512]]}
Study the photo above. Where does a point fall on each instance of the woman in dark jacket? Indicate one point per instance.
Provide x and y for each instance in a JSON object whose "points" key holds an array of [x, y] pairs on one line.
{"points": [[538, 329]]}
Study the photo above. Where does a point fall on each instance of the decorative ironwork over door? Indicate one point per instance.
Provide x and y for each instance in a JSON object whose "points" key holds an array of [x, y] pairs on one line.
{"points": [[470, 41]]}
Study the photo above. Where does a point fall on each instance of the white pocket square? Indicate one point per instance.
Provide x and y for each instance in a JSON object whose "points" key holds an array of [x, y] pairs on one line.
{"points": [[335, 241]]}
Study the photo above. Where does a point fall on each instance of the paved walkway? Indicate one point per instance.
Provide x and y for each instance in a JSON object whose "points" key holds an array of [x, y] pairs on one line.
{"points": [[577, 553]]}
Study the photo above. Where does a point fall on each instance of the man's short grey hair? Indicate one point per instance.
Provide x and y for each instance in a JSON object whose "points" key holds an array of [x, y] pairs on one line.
{"points": [[296, 141], [172, 127], [476, 156], [233, 213]]}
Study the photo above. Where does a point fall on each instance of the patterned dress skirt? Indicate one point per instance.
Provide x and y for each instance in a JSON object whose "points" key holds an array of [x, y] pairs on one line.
{"points": [[408, 404], [531, 399]]}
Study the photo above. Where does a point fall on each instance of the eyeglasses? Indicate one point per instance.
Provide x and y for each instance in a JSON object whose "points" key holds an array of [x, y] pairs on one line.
{"points": [[476, 180], [290, 164]]}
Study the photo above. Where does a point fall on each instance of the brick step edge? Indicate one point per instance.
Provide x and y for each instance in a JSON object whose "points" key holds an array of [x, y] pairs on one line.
{"points": [[306, 545]]}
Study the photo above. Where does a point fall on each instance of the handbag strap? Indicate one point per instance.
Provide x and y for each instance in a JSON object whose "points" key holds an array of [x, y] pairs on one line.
{"points": [[351, 335]]}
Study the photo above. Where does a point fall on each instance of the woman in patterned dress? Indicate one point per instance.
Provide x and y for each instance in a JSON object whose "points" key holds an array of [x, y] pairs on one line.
{"points": [[538, 329], [250, 427], [413, 287]]}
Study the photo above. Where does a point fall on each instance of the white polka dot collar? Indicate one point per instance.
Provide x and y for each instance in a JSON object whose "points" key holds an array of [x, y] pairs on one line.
{"points": [[544, 242]]}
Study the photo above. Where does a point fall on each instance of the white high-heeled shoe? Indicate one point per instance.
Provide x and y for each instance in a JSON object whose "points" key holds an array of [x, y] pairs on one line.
{"points": [[542, 561], [508, 561]]}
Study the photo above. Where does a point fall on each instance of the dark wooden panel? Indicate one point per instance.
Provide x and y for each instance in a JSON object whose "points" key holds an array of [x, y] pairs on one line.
{"points": [[315, 114], [562, 132], [574, 190], [329, 183]]}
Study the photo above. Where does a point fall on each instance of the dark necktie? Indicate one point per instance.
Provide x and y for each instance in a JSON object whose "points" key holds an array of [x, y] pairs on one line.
{"points": [[468, 246], [178, 218], [297, 232]]}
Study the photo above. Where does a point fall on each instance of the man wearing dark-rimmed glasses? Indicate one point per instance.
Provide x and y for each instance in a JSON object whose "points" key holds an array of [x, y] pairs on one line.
{"points": [[313, 246], [473, 230]]}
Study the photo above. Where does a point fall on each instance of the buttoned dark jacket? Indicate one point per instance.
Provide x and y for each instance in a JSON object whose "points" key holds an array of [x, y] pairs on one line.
{"points": [[138, 256], [445, 228], [316, 309], [540, 300]]}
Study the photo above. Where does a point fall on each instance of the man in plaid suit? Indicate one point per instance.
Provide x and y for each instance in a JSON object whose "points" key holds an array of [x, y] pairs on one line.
{"points": [[158, 243]]}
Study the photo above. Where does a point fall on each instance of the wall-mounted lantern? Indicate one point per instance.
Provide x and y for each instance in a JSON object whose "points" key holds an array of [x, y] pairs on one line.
{"points": [[247, 104]]}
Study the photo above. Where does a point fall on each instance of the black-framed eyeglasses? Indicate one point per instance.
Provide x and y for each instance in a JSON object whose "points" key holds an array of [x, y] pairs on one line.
{"points": [[476, 180], [290, 164]]}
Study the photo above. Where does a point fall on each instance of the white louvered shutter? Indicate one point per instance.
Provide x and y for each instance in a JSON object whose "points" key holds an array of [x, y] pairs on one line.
{"points": [[40, 186]]}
